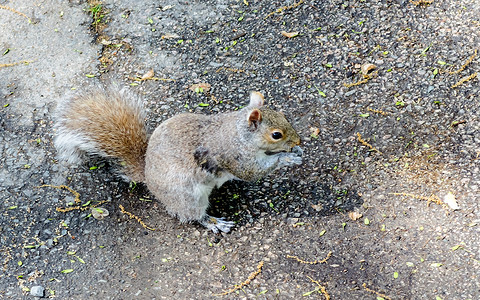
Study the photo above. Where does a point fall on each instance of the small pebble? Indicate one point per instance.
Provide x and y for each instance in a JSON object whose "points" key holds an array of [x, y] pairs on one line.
{"points": [[37, 291], [349, 93]]}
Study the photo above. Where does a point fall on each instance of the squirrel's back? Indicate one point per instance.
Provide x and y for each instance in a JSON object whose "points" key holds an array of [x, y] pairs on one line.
{"points": [[107, 123]]}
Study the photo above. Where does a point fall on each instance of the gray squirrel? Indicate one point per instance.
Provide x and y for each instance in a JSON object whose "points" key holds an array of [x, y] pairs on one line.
{"points": [[186, 156]]}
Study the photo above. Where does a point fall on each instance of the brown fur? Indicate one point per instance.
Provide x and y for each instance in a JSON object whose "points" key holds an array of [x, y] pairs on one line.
{"points": [[116, 127]]}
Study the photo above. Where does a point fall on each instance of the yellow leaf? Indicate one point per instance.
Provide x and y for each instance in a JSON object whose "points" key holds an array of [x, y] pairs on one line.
{"points": [[354, 215], [203, 86], [148, 75], [367, 68], [289, 34], [451, 201], [170, 36]]}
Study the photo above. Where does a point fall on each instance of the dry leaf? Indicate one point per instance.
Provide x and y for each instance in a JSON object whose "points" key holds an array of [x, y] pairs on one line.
{"points": [[366, 68], [354, 215], [289, 34], [105, 42], [167, 7], [203, 86], [148, 75], [451, 201], [170, 36], [99, 213], [315, 131]]}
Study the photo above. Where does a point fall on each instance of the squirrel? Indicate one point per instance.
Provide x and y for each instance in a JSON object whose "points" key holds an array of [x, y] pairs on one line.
{"points": [[186, 156]]}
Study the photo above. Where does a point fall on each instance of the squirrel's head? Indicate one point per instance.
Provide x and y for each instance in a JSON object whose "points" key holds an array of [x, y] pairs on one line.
{"points": [[274, 132]]}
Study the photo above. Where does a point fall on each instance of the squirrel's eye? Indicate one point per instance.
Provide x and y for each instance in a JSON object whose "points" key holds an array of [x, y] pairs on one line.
{"points": [[276, 135]]}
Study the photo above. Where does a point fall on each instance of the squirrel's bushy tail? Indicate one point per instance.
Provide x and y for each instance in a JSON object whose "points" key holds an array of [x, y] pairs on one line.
{"points": [[107, 123]]}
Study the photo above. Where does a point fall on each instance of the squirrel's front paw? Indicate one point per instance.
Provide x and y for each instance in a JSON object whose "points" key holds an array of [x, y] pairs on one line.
{"points": [[292, 158], [216, 224], [297, 150]]}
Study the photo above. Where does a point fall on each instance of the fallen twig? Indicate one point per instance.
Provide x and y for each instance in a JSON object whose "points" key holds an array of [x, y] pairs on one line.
{"points": [[433, 198], [363, 142], [469, 60], [77, 199], [75, 193], [323, 290], [239, 286], [151, 78], [464, 79], [421, 2], [14, 64], [15, 11], [132, 216], [375, 292], [377, 111], [279, 10], [311, 262], [366, 78]]}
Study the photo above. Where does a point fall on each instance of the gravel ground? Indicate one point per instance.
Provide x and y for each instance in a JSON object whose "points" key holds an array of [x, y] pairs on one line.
{"points": [[381, 157]]}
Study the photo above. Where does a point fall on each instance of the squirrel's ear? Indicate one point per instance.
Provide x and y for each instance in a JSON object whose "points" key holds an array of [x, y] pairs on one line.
{"points": [[256, 99], [254, 119]]}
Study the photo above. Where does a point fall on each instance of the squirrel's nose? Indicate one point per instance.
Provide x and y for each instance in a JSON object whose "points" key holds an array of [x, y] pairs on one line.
{"points": [[295, 142]]}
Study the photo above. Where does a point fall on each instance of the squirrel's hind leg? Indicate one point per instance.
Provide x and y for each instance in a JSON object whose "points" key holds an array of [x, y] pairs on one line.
{"points": [[201, 193], [216, 224]]}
